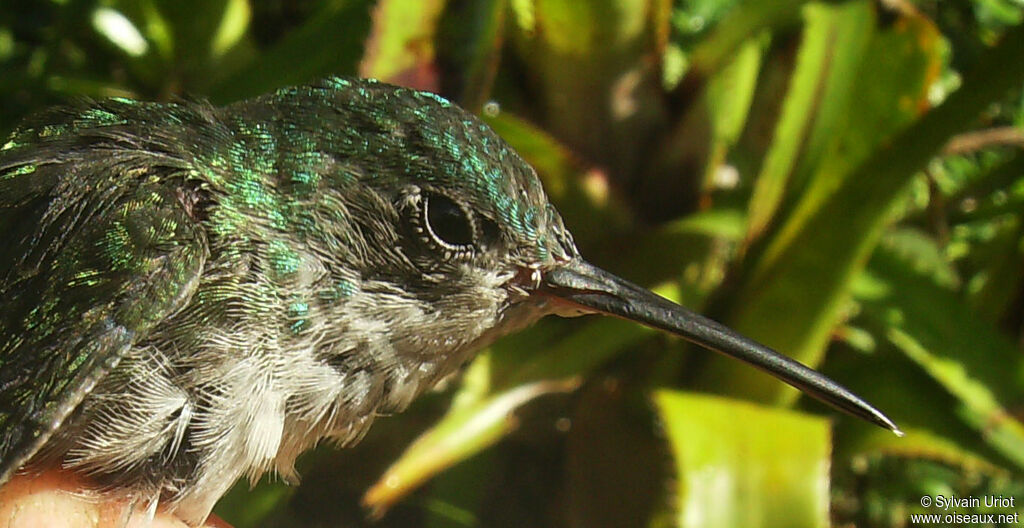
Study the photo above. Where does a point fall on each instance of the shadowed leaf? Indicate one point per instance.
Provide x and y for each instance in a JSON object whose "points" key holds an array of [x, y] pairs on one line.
{"points": [[339, 25], [477, 419]]}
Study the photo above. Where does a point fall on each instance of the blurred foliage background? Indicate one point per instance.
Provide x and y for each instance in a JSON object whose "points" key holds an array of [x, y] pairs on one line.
{"points": [[841, 180]]}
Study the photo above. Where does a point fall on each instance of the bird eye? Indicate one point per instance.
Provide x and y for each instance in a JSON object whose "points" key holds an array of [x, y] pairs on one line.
{"points": [[447, 223]]}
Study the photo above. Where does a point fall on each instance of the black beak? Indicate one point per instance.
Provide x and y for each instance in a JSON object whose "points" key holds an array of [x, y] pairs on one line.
{"points": [[599, 291]]}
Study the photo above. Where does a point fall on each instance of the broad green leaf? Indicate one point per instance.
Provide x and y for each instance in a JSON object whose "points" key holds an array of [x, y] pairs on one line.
{"points": [[725, 224], [890, 93], [400, 48], [842, 88], [834, 38], [739, 464]]}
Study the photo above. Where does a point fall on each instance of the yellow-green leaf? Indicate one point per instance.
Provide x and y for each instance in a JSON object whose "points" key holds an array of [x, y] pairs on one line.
{"points": [[739, 464]]}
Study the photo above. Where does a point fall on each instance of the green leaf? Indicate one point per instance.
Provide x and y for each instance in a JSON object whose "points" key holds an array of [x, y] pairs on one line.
{"points": [[725, 224], [834, 39], [740, 464]]}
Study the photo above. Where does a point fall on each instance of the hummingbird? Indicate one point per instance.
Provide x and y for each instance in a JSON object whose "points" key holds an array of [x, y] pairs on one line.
{"points": [[196, 294]]}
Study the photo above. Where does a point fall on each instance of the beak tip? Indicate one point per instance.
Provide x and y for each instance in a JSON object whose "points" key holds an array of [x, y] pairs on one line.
{"points": [[588, 289], [873, 415], [890, 425]]}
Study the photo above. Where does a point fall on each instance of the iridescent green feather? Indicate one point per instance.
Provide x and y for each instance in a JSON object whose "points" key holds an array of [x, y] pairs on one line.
{"points": [[98, 250]]}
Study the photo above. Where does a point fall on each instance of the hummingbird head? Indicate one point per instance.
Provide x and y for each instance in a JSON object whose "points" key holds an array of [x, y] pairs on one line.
{"points": [[406, 230], [452, 234]]}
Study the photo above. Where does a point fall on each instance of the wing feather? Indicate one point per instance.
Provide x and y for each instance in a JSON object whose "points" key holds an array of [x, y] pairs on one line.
{"points": [[100, 245]]}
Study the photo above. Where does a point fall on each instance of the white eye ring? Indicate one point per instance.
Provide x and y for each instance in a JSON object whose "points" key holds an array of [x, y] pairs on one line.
{"points": [[445, 225]]}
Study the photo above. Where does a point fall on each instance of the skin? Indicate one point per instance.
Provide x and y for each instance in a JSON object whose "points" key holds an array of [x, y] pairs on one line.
{"points": [[54, 499]]}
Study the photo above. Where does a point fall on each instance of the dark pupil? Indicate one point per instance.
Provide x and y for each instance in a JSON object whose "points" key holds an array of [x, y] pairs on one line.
{"points": [[448, 221]]}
